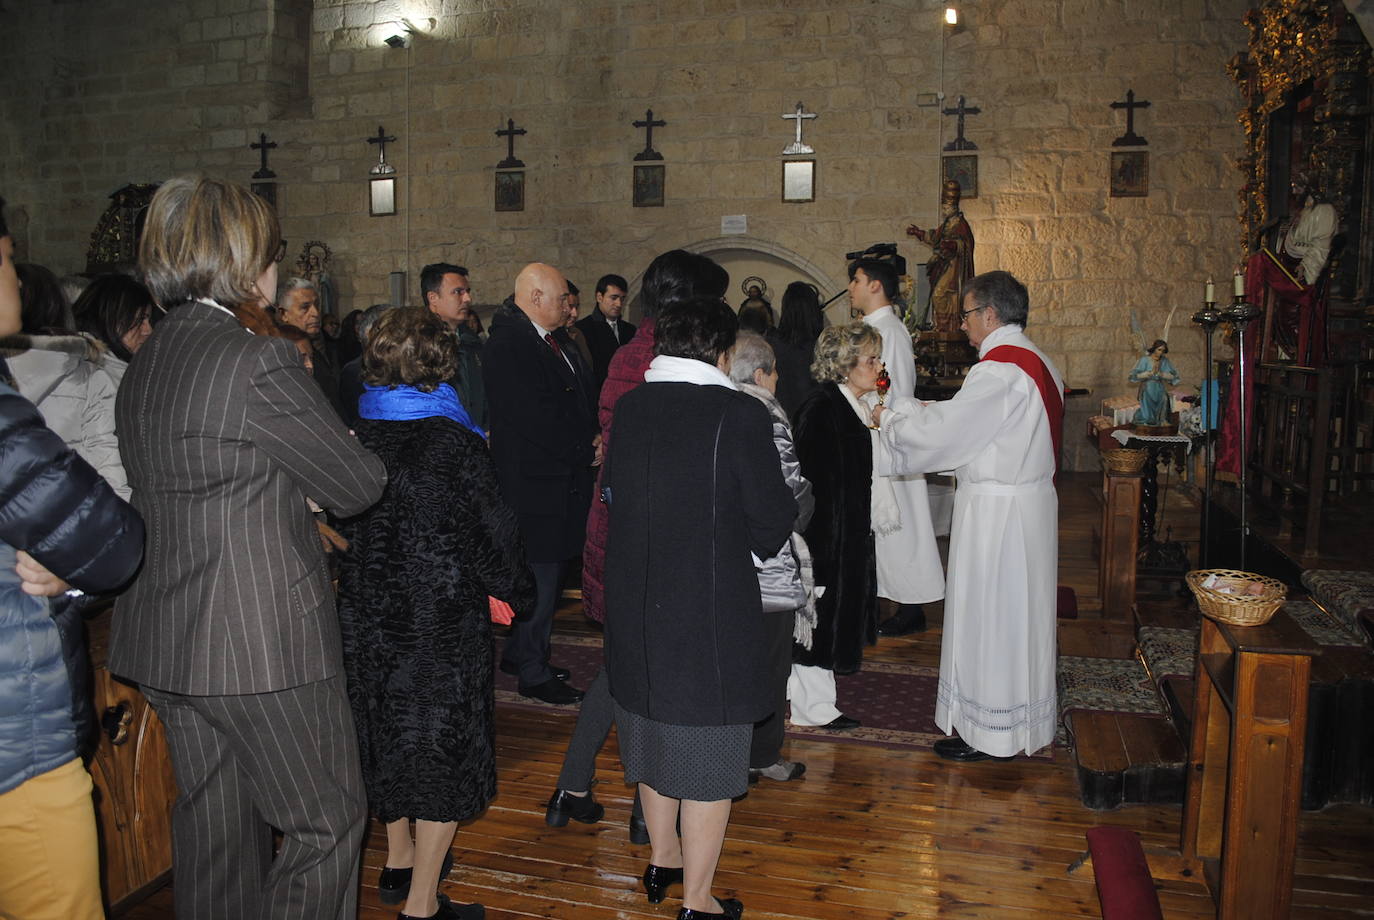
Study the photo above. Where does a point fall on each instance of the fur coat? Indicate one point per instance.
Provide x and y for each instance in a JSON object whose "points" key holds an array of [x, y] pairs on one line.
{"points": [[836, 453]]}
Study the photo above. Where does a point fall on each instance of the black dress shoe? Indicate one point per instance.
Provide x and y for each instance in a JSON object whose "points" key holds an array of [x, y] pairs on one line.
{"points": [[448, 910], [553, 691], [639, 830], [657, 879], [564, 805], [842, 723], [730, 909], [958, 750], [909, 618], [509, 667], [393, 885]]}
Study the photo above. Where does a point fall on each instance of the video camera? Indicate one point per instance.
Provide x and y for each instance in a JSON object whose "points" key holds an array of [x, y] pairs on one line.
{"points": [[883, 252]]}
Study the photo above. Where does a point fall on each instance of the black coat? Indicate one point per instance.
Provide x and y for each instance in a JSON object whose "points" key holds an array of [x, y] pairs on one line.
{"points": [[415, 620], [695, 486], [601, 342], [543, 423], [794, 373], [836, 454]]}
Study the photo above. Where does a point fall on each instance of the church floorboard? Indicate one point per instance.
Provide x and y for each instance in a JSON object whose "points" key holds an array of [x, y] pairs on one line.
{"points": [[868, 834]]}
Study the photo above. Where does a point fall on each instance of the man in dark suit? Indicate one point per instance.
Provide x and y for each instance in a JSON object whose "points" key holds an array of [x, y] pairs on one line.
{"points": [[545, 443], [603, 328], [230, 626]]}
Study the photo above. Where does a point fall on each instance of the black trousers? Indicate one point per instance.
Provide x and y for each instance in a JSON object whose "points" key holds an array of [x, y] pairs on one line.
{"points": [[766, 747], [527, 646]]}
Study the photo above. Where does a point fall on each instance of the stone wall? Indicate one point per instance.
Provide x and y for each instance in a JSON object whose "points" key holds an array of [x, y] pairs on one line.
{"points": [[100, 94]]}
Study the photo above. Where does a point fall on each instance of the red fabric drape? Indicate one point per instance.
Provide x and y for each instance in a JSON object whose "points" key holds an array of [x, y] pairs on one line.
{"points": [[1050, 395]]}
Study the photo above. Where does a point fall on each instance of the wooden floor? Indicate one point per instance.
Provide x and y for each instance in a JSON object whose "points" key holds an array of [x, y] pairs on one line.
{"points": [[868, 833]]}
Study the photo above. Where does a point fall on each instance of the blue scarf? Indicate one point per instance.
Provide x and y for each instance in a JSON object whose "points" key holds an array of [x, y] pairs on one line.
{"points": [[407, 403]]}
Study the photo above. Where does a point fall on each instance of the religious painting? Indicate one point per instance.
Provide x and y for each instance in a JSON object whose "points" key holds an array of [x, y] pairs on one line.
{"points": [[383, 199], [798, 180], [964, 170], [510, 191], [1131, 174], [267, 191], [648, 191]]}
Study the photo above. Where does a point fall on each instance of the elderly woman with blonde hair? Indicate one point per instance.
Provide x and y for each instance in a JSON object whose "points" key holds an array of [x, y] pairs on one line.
{"points": [[835, 447]]}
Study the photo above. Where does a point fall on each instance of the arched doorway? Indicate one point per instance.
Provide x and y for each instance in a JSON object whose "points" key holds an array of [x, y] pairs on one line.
{"points": [[747, 256]]}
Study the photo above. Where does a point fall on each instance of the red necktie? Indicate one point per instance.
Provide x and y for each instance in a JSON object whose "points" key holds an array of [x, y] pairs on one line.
{"points": [[548, 337]]}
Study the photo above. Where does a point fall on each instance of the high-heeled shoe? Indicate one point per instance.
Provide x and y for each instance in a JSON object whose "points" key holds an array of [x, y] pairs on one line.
{"points": [[657, 879], [393, 885], [730, 909]]}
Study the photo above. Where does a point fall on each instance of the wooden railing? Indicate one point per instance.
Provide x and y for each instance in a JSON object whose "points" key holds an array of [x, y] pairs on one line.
{"points": [[1313, 427]]}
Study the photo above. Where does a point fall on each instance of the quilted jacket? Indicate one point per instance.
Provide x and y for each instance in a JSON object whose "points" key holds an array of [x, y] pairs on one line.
{"points": [[54, 505]]}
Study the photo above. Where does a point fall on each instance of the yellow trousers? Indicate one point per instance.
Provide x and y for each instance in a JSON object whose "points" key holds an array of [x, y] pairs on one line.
{"points": [[49, 862]]}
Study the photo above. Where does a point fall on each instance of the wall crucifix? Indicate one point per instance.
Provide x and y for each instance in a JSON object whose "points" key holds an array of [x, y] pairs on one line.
{"points": [[509, 133], [648, 124], [383, 168], [1130, 138], [799, 115], [961, 110], [263, 145]]}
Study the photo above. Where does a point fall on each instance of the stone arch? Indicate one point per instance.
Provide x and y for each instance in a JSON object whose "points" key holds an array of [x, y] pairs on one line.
{"points": [[752, 250]]}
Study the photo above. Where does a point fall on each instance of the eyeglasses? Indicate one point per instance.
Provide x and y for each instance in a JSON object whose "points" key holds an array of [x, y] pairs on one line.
{"points": [[964, 314], [281, 252]]}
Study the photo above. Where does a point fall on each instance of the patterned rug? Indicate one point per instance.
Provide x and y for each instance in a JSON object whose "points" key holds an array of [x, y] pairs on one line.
{"points": [[895, 702], [1104, 685]]}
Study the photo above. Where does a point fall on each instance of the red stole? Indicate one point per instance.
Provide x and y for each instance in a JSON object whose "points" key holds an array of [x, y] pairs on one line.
{"points": [[1050, 395]]}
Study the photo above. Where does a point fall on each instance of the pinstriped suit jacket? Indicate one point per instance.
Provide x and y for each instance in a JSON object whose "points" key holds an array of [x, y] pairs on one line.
{"points": [[223, 435]]}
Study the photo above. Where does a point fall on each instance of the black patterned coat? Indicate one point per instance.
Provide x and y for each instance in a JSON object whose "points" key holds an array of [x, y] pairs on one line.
{"points": [[416, 627]]}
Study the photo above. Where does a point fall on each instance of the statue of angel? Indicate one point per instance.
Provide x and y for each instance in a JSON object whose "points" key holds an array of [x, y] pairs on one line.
{"points": [[1153, 371]]}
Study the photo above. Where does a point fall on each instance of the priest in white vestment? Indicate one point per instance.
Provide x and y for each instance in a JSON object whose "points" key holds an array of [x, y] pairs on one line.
{"points": [[909, 570], [1000, 437]]}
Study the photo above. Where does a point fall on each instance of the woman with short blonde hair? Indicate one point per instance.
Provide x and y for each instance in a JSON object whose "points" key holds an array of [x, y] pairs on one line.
{"points": [[834, 445]]}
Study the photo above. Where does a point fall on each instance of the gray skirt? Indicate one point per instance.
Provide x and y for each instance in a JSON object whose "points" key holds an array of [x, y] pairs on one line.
{"points": [[701, 763]]}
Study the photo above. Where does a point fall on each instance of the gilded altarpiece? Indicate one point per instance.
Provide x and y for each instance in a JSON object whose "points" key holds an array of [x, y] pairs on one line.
{"points": [[1306, 78]]}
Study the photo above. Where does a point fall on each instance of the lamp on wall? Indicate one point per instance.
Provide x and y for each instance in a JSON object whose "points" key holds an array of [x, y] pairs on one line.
{"points": [[395, 41]]}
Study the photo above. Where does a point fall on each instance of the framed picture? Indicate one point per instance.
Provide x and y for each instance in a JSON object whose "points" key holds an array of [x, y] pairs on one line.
{"points": [[964, 170], [510, 191], [648, 191], [267, 191], [383, 197], [1131, 174], [798, 180]]}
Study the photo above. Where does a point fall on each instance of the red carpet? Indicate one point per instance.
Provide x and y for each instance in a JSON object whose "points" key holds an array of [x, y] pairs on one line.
{"points": [[895, 702]]}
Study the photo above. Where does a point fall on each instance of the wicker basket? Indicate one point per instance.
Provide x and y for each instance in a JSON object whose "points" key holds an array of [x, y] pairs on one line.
{"points": [[1125, 459], [1237, 609]]}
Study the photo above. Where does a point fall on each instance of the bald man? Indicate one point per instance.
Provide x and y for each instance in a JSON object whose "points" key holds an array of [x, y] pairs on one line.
{"points": [[541, 401]]}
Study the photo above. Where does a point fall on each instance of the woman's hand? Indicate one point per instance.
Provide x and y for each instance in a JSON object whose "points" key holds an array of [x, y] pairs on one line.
{"points": [[876, 413], [35, 579]]}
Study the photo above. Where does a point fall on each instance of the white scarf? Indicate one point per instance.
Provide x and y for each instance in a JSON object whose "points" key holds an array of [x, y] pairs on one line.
{"points": [[885, 519], [667, 369]]}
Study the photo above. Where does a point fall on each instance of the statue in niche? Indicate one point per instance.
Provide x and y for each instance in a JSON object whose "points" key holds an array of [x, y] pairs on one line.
{"points": [[951, 262], [1308, 238], [755, 291]]}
